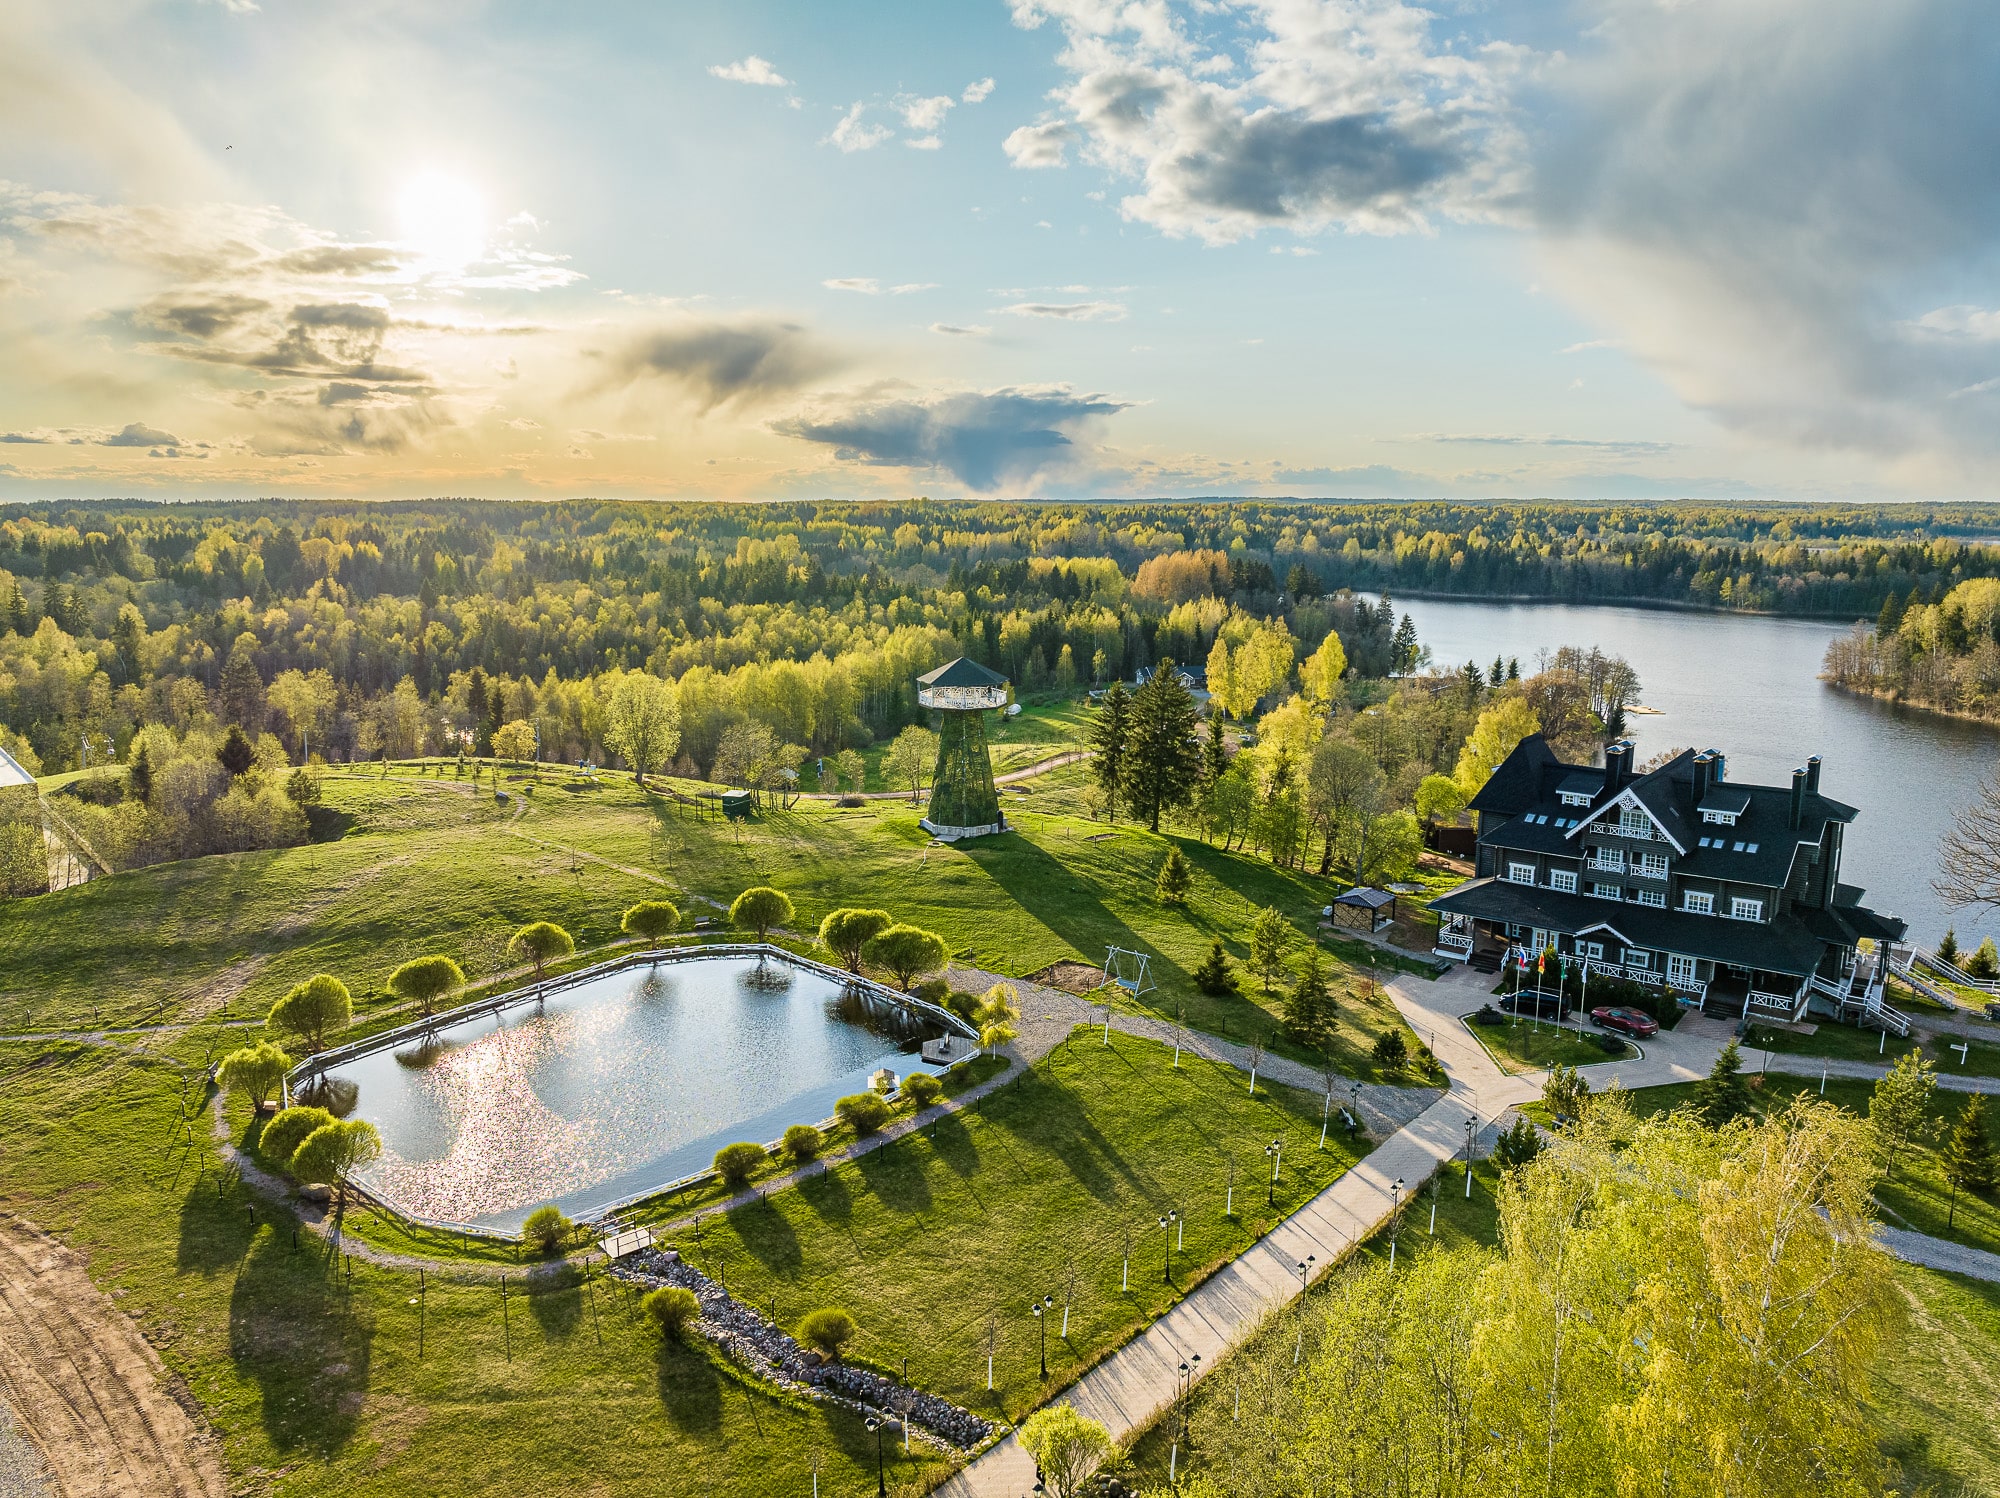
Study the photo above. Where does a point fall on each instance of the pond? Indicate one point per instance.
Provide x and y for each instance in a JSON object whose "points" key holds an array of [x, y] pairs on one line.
{"points": [[623, 1082], [1750, 687]]}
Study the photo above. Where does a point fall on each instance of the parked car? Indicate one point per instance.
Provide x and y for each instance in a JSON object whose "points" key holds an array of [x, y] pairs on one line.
{"points": [[1631, 1021], [1538, 1005]]}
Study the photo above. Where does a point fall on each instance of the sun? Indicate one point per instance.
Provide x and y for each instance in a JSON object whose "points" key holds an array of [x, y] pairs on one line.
{"points": [[442, 218]]}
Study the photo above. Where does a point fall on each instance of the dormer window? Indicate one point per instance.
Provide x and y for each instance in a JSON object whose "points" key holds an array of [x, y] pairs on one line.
{"points": [[1726, 818], [1573, 798]]}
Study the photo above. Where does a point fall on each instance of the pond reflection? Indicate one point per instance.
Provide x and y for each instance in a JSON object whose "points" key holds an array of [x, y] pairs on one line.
{"points": [[622, 1083]]}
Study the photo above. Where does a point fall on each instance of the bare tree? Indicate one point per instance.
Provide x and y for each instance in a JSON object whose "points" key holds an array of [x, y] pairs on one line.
{"points": [[1969, 855]]}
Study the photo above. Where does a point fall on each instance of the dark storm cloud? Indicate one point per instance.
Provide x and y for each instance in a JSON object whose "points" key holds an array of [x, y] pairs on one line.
{"points": [[725, 363]]}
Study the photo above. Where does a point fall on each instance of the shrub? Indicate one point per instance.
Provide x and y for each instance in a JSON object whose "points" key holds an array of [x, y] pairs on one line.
{"points": [[314, 1010], [803, 1142], [547, 1230], [1175, 879], [425, 980], [673, 1310], [651, 919], [922, 1089], [1610, 1044], [1215, 977], [964, 1005], [1488, 1015], [284, 1134], [1068, 1448], [1518, 1145], [1391, 1049], [735, 1163], [540, 941], [932, 990], [829, 1329], [255, 1070], [760, 908], [862, 1112]]}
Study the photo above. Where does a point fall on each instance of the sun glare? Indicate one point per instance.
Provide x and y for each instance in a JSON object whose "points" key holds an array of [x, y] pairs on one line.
{"points": [[443, 218]]}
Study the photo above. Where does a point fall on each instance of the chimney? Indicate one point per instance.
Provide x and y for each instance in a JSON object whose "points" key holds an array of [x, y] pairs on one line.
{"points": [[1702, 763], [1798, 796], [1812, 776], [1721, 765], [1617, 766]]}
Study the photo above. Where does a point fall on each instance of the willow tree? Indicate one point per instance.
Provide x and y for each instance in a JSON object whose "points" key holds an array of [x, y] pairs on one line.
{"points": [[541, 942], [314, 1010]]}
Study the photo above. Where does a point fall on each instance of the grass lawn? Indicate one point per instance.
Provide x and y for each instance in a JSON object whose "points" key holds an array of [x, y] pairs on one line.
{"points": [[925, 1239], [1914, 1194], [1937, 1391], [1982, 1059], [1837, 1042], [1520, 1045]]}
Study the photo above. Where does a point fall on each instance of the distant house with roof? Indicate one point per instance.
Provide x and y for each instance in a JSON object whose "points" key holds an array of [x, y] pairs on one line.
{"points": [[1726, 893]]}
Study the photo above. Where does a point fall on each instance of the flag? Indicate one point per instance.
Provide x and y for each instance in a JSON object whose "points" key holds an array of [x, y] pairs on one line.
{"points": [[1541, 962]]}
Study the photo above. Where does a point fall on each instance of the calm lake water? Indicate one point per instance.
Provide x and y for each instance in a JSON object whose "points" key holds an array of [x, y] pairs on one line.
{"points": [[622, 1083], [1750, 687]]}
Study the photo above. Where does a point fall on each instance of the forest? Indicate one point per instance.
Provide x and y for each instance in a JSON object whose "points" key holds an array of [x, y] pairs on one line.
{"points": [[221, 652]]}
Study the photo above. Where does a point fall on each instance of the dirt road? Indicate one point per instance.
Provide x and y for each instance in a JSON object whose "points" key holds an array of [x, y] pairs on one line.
{"points": [[85, 1387]]}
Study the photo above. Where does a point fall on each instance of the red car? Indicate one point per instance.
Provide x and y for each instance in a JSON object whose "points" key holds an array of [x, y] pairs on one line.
{"points": [[1631, 1021]]}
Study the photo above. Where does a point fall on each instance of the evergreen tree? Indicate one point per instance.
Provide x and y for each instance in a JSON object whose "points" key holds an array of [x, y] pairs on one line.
{"points": [[242, 686], [1723, 1094], [1516, 1146], [1899, 1107], [1162, 758], [1309, 1006], [1108, 737], [1214, 752], [1984, 962], [1891, 616], [1947, 949], [1176, 878], [236, 754], [1270, 943], [1969, 1163], [139, 778], [1215, 977]]}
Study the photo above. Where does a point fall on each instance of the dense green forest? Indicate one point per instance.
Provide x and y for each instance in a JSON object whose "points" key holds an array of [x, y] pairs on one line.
{"points": [[1937, 652], [217, 653]]}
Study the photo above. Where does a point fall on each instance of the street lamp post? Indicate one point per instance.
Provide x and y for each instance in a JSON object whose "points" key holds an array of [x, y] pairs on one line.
{"points": [[1276, 1151], [1354, 1111], [1395, 1217], [881, 1483], [1471, 1132], [1039, 1308], [1167, 1230]]}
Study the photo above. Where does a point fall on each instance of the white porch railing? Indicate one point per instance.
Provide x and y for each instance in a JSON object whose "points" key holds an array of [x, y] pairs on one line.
{"points": [[1454, 942], [1952, 972]]}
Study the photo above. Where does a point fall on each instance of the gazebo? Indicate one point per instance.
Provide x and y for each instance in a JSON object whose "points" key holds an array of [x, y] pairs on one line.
{"points": [[963, 800], [1363, 909]]}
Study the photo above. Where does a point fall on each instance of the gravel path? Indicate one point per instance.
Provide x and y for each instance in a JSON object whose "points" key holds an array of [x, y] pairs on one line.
{"points": [[1938, 1253]]}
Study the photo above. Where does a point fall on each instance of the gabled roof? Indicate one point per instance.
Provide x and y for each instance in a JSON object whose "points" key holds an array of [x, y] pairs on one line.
{"points": [[1517, 782], [1367, 899], [963, 672]]}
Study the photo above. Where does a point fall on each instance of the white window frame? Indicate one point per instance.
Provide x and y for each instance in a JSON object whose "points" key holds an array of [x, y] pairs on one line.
{"points": [[1635, 957], [1743, 908], [1634, 823], [1657, 898], [1570, 798], [1563, 881], [1697, 902], [1593, 951], [1680, 968], [1726, 818], [1605, 891], [1520, 873]]}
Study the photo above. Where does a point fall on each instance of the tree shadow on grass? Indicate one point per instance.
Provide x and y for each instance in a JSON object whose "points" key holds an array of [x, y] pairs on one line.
{"points": [[215, 1228], [896, 1176], [827, 1195], [1047, 1114], [690, 1389], [769, 1237], [954, 1145], [556, 1300], [307, 1343], [1049, 891]]}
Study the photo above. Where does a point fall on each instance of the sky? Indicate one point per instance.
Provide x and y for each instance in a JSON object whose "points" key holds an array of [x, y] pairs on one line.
{"points": [[1610, 249]]}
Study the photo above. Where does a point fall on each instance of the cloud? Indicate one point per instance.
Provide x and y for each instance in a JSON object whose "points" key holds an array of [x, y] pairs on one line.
{"points": [[138, 434], [1980, 324], [866, 285], [977, 93], [523, 424], [925, 115], [1351, 116], [957, 330], [1765, 201], [1591, 344], [851, 135], [985, 439], [1619, 445], [35, 437], [1070, 311], [717, 363], [752, 69], [1042, 145]]}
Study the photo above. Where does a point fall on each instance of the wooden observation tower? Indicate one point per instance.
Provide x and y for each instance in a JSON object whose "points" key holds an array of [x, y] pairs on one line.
{"points": [[963, 800]]}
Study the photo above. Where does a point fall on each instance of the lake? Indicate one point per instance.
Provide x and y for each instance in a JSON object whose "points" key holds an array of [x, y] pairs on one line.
{"points": [[1750, 687], [624, 1082]]}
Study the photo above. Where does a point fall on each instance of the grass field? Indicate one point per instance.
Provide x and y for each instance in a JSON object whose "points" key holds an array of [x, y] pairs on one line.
{"points": [[315, 1387], [1519, 1045]]}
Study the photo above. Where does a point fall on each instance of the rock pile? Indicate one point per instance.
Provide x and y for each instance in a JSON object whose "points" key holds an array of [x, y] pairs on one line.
{"points": [[756, 1343]]}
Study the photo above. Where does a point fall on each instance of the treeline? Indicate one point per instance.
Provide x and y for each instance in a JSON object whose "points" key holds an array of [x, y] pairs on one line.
{"points": [[1937, 650]]}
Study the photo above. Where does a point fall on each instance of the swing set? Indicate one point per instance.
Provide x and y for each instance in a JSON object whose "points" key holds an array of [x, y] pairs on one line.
{"points": [[1128, 970]]}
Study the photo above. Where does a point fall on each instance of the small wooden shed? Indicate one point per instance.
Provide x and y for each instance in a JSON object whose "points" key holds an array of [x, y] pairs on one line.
{"points": [[738, 804], [1364, 909]]}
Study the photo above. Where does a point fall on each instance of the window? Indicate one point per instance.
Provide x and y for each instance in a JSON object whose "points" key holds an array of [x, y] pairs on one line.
{"points": [[1746, 910], [1657, 898], [1520, 873], [1634, 822], [1563, 880], [1634, 957], [1749, 847], [1605, 891], [1594, 950], [1653, 865], [1726, 818], [1680, 969], [1700, 902], [1574, 798], [1736, 848]]}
